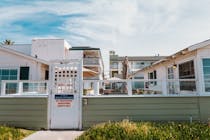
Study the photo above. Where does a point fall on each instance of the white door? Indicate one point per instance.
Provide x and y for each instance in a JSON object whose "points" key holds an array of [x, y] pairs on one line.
{"points": [[65, 97]]}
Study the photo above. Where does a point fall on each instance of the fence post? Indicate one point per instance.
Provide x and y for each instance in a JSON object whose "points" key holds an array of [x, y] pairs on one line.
{"points": [[20, 87], [129, 87], [96, 88], [3, 88], [164, 87]]}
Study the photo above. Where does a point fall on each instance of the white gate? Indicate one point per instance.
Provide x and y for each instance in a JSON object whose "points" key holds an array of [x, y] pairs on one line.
{"points": [[65, 99]]}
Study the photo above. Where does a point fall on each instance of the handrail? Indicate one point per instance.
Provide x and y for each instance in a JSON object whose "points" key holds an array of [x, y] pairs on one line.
{"points": [[23, 87], [147, 86]]}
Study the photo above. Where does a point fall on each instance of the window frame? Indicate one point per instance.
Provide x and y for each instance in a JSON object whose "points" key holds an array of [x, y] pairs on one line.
{"points": [[195, 74], [202, 76], [10, 68]]}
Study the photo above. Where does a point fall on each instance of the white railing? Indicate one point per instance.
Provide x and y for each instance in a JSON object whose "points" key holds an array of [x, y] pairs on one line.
{"points": [[139, 87], [24, 87]]}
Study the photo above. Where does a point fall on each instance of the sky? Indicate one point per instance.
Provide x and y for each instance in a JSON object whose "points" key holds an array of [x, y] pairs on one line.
{"points": [[129, 27]]}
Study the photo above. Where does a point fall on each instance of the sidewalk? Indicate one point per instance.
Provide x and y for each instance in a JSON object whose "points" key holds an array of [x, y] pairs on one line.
{"points": [[54, 135]]}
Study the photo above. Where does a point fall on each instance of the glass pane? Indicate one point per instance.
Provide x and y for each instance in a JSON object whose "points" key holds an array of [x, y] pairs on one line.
{"points": [[5, 72], [206, 62], [13, 72], [11, 88], [207, 76], [186, 70], [13, 77], [188, 85], [0, 71], [5, 77], [207, 88], [206, 70]]}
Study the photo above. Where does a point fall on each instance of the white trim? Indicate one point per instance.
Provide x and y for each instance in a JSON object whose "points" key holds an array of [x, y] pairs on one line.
{"points": [[202, 75]]}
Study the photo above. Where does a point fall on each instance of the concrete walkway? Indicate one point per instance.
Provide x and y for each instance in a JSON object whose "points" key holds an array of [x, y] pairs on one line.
{"points": [[54, 135]]}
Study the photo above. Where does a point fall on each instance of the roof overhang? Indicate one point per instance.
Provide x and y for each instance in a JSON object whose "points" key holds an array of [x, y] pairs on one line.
{"points": [[23, 55]]}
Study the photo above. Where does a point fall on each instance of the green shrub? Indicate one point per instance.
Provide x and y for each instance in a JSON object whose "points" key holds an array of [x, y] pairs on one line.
{"points": [[9, 133], [126, 130]]}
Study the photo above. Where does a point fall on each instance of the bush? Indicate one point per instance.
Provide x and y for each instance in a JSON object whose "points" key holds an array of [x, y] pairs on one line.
{"points": [[126, 130], [9, 133]]}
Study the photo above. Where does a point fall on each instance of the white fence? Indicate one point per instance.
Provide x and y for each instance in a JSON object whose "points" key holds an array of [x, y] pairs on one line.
{"points": [[24, 87], [108, 87], [139, 87]]}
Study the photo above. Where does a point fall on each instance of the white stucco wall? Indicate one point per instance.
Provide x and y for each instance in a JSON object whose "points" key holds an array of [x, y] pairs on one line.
{"points": [[50, 49], [23, 48], [9, 60], [75, 54]]}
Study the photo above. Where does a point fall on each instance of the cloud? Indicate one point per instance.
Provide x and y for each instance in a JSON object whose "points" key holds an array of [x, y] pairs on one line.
{"points": [[135, 27]]}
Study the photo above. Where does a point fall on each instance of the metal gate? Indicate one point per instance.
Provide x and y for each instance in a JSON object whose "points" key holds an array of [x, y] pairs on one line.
{"points": [[65, 98]]}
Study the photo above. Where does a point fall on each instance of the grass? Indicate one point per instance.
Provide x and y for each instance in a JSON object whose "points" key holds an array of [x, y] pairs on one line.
{"points": [[11, 133], [126, 130]]}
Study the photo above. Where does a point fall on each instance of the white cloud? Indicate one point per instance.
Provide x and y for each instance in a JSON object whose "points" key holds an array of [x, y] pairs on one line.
{"points": [[131, 27]]}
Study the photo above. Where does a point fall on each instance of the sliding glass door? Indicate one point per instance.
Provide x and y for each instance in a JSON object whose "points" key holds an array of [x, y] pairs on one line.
{"points": [[206, 74]]}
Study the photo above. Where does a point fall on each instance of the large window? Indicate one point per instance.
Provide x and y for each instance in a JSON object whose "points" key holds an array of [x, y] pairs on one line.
{"points": [[170, 73], [187, 71], [152, 76], [114, 65], [9, 74], [171, 84], [206, 72]]}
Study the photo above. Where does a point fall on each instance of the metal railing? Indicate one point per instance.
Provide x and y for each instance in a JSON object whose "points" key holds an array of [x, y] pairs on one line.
{"points": [[139, 87], [24, 87]]}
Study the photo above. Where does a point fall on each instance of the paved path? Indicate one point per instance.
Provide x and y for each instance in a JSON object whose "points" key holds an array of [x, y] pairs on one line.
{"points": [[54, 135]]}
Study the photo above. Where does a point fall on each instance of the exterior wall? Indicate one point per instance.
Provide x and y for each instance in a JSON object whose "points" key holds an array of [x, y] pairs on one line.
{"points": [[202, 53], [49, 49], [103, 109], [23, 48], [75, 54], [26, 112], [14, 61]]}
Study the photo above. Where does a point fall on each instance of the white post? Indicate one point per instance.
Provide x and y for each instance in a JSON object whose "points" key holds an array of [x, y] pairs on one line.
{"points": [[164, 87], [3, 88], [129, 84], [20, 87], [96, 88]]}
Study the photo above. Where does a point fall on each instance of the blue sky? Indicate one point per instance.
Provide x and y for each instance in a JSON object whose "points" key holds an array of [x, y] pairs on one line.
{"points": [[130, 27]]}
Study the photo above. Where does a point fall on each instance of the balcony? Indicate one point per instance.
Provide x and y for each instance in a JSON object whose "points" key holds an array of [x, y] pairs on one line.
{"points": [[91, 61]]}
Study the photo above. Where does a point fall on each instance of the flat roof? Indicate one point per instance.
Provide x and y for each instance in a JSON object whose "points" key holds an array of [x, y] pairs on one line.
{"points": [[137, 58], [83, 48]]}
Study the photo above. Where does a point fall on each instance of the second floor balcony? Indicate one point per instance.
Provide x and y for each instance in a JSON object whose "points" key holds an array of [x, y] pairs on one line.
{"points": [[91, 61]]}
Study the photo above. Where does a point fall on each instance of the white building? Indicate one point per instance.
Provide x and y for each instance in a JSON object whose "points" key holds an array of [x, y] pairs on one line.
{"points": [[31, 61], [187, 71], [135, 63]]}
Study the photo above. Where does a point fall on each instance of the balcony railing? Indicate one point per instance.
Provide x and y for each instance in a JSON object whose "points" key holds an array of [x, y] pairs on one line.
{"points": [[18, 87], [91, 61], [139, 87]]}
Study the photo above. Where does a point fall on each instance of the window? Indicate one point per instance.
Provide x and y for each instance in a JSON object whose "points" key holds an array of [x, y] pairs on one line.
{"points": [[170, 73], [153, 75], [171, 84], [114, 65], [9, 74], [24, 73], [206, 74], [186, 71]]}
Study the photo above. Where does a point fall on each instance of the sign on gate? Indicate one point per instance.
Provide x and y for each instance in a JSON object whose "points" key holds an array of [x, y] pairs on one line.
{"points": [[64, 100], [65, 97]]}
